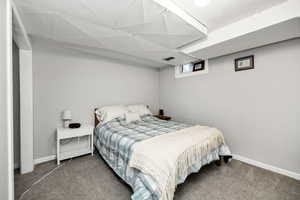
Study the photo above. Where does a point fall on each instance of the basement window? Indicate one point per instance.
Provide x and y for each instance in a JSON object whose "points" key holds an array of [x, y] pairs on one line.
{"points": [[187, 68], [191, 69]]}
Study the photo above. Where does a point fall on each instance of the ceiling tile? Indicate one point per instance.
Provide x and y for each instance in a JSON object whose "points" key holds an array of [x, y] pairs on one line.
{"points": [[140, 28]]}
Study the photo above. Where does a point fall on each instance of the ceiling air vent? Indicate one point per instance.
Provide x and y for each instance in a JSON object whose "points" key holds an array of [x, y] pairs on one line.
{"points": [[169, 58]]}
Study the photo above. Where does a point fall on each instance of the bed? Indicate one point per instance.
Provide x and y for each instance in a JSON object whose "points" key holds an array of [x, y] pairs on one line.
{"points": [[116, 140]]}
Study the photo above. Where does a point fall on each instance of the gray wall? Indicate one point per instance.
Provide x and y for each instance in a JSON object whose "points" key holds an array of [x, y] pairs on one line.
{"points": [[16, 104], [64, 79], [257, 110]]}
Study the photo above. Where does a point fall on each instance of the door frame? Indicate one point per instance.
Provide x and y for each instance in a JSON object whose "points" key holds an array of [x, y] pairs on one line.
{"points": [[26, 92], [6, 103]]}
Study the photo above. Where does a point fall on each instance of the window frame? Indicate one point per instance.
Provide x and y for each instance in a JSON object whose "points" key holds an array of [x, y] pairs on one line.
{"points": [[180, 74]]}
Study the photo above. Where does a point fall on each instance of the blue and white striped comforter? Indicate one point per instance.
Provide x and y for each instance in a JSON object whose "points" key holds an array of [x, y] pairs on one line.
{"points": [[114, 141]]}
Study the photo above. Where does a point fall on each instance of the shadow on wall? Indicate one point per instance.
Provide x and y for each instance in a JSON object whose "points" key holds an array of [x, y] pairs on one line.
{"points": [[16, 104]]}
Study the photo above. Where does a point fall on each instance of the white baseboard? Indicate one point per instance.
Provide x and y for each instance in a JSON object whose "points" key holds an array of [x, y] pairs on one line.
{"points": [[44, 159], [267, 167]]}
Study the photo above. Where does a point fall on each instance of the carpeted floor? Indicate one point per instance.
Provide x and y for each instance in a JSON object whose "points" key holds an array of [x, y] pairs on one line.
{"points": [[89, 178]]}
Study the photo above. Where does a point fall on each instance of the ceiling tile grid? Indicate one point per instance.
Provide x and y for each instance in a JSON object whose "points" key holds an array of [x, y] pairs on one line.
{"points": [[140, 28]]}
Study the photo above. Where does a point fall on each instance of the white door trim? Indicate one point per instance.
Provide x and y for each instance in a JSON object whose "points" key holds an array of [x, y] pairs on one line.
{"points": [[6, 101], [26, 112], [26, 93]]}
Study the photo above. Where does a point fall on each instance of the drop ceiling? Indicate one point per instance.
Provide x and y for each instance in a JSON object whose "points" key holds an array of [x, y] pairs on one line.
{"points": [[140, 28], [146, 31]]}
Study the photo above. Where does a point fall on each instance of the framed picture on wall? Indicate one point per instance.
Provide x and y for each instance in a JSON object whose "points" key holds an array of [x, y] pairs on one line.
{"points": [[244, 63], [198, 66]]}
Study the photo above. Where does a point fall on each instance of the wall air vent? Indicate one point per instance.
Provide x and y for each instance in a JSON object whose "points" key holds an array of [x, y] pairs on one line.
{"points": [[169, 58]]}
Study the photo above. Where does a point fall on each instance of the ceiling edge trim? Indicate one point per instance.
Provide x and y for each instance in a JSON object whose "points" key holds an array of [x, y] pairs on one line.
{"points": [[248, 25], [24, 34], [171, 6]]}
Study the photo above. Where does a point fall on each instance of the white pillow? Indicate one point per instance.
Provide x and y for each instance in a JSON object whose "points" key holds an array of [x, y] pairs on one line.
{"points": [[140, 109], [109, 113], [132, 117]]}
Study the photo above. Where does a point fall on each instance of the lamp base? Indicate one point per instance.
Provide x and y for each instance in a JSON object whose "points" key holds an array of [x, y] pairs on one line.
{"points": [[66, 123]]}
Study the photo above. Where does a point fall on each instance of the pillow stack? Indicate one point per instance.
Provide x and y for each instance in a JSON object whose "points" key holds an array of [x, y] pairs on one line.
{"points": [[108, 113], [132, 117], [131, 113], [141, 110]]}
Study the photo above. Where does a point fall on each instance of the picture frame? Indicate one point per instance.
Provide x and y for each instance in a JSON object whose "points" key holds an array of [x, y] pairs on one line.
{"points": [[244, 63], [199, 66]]}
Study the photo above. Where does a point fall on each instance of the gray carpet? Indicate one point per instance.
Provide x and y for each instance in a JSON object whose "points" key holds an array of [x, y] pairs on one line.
{"points": [[89, 178]]}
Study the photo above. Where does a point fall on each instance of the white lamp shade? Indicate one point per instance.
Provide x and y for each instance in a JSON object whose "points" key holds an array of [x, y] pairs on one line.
{"points": [[66, 115]]}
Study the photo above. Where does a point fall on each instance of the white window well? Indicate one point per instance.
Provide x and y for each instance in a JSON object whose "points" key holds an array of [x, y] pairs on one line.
{"points": [[191, 69]]}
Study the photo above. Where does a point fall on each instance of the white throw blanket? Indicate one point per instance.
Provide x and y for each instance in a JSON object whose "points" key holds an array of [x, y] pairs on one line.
{"points": [[169, 156]]}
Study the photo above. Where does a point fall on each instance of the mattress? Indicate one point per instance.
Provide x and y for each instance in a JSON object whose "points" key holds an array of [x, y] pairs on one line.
{"points": [[115, 140]]}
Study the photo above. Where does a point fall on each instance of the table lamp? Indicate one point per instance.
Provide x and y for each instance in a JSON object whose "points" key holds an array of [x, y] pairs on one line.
{"points": [[66, 117]]}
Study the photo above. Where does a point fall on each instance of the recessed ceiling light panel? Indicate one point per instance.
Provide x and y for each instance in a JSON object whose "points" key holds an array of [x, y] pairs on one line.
{"points": [[201, 3]]}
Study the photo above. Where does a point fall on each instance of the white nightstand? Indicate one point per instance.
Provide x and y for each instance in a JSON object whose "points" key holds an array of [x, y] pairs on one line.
{"points": [[67, 133]]}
